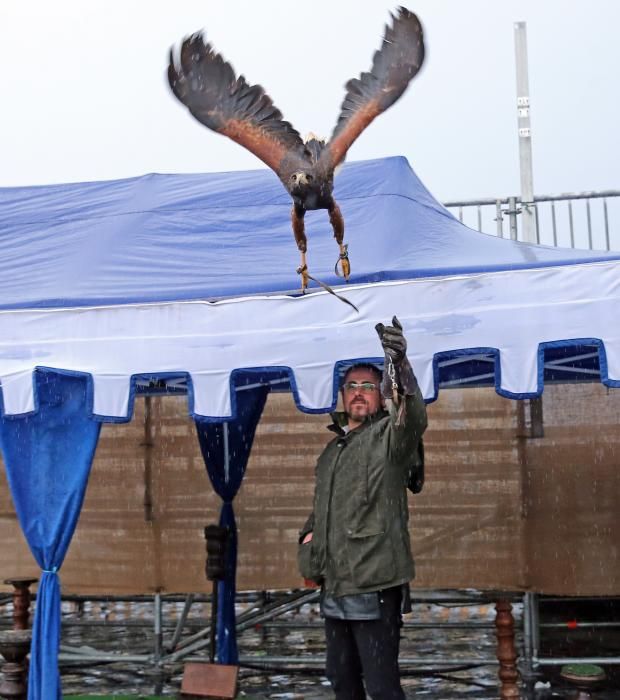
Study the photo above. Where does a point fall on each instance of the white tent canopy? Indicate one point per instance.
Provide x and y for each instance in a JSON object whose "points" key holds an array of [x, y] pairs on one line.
{"points": [[187, 279], [507, 316]]}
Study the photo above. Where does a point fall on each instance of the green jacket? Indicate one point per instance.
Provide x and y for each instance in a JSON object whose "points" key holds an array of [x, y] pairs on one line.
{"points": [[360, 539]]}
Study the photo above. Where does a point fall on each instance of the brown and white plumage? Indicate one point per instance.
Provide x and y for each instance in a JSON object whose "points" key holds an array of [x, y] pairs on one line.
{"points": [[207, 85]]}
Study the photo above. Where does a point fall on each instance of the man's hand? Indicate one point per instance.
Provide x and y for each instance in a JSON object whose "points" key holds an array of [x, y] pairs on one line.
{"points": [[307, 582], [393, 341]]}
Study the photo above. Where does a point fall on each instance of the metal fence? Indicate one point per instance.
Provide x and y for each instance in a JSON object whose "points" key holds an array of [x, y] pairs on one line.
{"points": [[587, 220]]}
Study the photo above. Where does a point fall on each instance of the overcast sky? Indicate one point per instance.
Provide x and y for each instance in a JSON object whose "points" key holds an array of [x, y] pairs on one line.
{"points": [[84, 95]]}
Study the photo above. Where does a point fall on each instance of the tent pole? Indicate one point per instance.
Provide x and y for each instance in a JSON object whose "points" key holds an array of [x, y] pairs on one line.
{"points": [[213, 626], [226, 453], [157, 628], [148, 459]]}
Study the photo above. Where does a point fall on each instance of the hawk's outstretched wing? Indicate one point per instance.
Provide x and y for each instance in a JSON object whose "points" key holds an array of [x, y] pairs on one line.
{"points": [[207, 85], [394, 65]]}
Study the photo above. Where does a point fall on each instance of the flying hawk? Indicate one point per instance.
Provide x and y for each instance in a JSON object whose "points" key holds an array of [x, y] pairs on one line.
{"points": [[207, 85]]}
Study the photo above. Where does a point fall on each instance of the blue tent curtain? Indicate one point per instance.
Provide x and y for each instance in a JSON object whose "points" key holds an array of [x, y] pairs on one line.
{"points": [[48, 456], [225, 449]]}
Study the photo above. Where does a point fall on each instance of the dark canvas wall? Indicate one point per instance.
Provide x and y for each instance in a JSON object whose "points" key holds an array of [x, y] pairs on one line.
{"points": [[499, 509]]}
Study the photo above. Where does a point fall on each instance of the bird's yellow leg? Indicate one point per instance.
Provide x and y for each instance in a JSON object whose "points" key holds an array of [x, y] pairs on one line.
{"points": [[337, 222], [297, 217], [303, 271]]}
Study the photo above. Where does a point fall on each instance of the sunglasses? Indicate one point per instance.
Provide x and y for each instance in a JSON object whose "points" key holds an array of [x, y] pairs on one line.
{"points": [[361, 386]]}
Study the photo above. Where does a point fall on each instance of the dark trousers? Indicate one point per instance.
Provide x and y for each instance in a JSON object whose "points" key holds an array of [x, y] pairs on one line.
{"points": [[365, 652]]}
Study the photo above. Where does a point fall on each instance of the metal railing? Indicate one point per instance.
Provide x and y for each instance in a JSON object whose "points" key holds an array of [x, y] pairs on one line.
{"points": [[531, 635], [175, 640], [574, 220]]}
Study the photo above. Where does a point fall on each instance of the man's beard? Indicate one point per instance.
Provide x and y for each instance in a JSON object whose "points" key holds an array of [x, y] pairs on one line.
{"points": [[359, 410]]}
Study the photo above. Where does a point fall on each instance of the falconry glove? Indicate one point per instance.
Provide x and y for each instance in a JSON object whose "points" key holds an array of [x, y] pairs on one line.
{"points": [[400, 381], [398, 376]]}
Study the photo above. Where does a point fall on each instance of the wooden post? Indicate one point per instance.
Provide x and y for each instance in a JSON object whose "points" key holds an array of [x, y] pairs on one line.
{"points": [[14, 647], [506, 651], [21, 601]]}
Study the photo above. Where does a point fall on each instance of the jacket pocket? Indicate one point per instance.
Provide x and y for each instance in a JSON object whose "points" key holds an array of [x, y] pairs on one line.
{"points": [[371, 559], [306, 563]]}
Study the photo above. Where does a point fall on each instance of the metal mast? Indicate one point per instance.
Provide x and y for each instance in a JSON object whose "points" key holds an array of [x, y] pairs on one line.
{"points": [[528, 214]]}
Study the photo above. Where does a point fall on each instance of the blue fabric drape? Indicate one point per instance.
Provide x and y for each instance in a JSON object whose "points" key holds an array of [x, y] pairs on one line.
{"points": [[225, 449], [48, 456]]}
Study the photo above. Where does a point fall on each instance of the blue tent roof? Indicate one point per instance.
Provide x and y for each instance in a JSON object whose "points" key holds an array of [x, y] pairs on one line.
{"points": [[176, 237]]}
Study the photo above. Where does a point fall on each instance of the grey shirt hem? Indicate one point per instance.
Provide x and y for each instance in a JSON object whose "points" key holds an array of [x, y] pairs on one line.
{"points": [[360, 606]]}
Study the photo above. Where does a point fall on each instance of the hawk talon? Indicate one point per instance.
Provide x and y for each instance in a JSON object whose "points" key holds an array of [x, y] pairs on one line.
{"points": [[343, 259]]}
